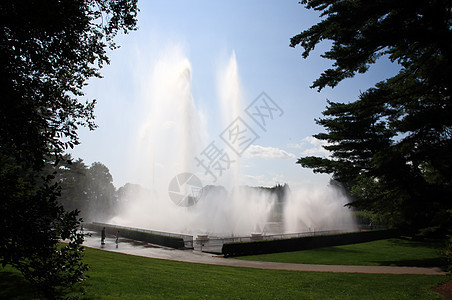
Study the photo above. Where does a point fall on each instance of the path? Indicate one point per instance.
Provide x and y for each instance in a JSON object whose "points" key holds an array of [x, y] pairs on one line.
{"points": [[133, 248]]}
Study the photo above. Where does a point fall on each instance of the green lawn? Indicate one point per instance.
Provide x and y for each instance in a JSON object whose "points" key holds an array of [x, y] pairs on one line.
{"points": [[390, 252], [119, 276]]}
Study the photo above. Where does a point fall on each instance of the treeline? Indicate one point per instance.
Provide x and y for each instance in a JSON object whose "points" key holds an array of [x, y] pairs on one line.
{"points": [[89, 189], [280, 192]]}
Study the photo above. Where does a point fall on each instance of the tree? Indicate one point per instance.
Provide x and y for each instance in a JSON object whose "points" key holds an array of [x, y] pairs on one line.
{"points": [[101, 193], [73, 180], [391, 147], [88, 190], [48, 50]]}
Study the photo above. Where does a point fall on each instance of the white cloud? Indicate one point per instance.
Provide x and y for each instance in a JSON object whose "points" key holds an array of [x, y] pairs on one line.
{"points": [[254, 151], [311, 146]]}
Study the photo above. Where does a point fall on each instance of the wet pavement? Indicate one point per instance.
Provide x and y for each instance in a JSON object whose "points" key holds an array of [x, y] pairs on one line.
{"points": [[131, 247]]}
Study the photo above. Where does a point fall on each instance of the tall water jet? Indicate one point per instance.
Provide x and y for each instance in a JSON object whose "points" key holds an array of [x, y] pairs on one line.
{"points": [[231, 102], [248, 208], [168, 139], [230, 90]]}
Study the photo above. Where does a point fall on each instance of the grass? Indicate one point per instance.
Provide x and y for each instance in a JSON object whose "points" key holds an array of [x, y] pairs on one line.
{"points": [[390, 252], [119, 276]]}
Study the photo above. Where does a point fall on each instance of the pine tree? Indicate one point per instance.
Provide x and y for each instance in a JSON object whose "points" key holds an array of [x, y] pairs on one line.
{"points": [[391, 147]]}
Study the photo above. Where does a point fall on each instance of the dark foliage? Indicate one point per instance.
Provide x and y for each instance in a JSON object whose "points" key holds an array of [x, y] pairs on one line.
{"points": [[48, 50]]}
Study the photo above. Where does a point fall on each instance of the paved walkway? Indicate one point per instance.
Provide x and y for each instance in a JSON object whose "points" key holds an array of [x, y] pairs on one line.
{"points": [[133, 248]]}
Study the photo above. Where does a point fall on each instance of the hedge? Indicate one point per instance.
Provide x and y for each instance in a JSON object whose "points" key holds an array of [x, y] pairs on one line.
{"points": [[305, 243], [143, 236]]}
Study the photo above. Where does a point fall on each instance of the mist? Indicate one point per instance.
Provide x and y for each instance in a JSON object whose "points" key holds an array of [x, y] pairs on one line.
{"points": [[173, 131]]}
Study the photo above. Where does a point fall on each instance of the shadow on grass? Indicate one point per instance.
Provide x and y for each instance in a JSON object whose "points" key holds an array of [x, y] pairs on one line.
{"points": [[337, 250], [14, 286], [409, 242], [425, 263]]}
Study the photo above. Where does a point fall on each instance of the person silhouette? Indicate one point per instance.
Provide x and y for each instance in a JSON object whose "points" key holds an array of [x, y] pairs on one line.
{"points": [[102, 236], [117, 238]]}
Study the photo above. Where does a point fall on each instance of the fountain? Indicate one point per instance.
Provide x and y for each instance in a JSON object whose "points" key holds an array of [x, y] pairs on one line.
{"points": [[173, 132]]}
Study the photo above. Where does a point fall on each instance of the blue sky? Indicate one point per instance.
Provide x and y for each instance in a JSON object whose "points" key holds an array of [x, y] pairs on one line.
{"points": [[208, 35]]}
